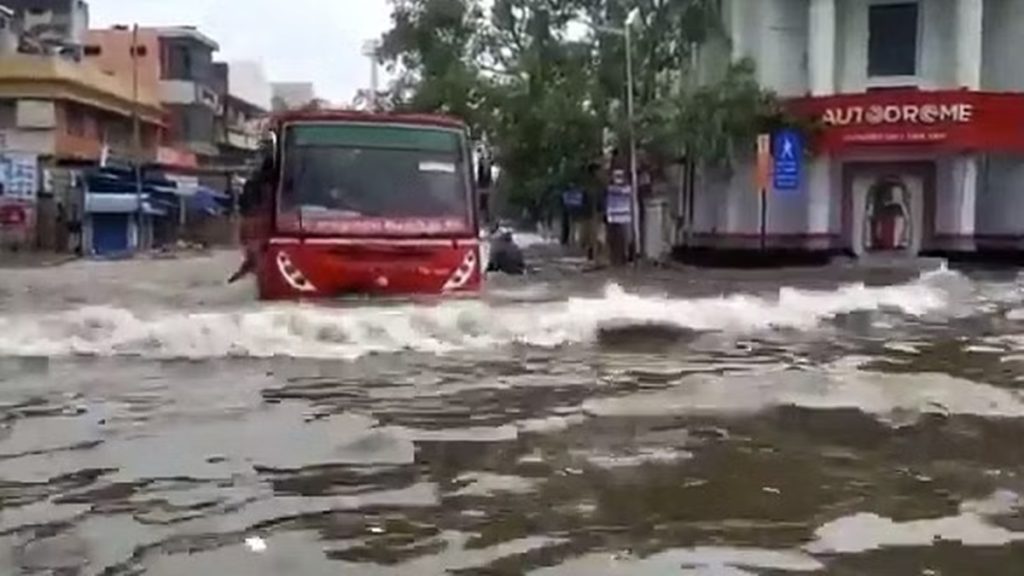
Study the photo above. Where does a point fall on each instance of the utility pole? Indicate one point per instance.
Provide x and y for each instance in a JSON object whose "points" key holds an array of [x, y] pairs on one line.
{"points": [[630, 112], [137, 135], [627, 34]]}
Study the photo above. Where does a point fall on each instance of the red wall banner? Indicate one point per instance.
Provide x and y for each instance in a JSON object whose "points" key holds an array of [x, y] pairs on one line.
{"points": [[952, 119]]}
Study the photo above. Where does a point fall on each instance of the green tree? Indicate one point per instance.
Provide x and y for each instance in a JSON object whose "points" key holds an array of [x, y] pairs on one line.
{"points": [[432, 46], [543, 83], [545, 127]]}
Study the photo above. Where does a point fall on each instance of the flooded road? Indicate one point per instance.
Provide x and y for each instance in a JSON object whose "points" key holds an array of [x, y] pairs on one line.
{"points": [[155, 421]]}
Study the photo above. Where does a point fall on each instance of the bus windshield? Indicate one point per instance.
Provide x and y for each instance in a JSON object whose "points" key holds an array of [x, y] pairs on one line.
{"points": [[339, 178]]}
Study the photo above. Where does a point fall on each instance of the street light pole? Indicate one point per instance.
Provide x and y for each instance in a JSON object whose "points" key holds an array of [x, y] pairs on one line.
{"points": [[627, 34], [630, 113], [371, 49], [137, 138]]}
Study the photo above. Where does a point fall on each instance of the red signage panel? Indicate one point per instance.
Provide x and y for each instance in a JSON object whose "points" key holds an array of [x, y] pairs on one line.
{"points": [[174, 158], [13, 215], [953, 119]]}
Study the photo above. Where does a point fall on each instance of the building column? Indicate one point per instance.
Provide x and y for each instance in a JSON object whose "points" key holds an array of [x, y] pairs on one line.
{"points": [[969, 18], [737, 30], [821, 81], [821, 47], [962, 204], [819, 195]]}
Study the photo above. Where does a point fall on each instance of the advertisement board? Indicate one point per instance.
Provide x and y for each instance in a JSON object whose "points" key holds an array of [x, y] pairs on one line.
{"points": [[953, 119], [19, 176]]}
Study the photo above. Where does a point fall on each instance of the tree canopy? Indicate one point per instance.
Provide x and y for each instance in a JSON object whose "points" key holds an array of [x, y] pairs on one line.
{"points": [[544, 81]]}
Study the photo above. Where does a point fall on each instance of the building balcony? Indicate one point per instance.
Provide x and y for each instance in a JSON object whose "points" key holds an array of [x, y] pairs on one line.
{"points": [[41, 77], [188, 93], [77, 147], [240, 137], [84, 148], [243, 141]]}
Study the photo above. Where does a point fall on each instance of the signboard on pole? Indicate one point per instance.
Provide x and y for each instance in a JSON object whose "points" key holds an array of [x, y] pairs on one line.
{"points": [[764, 162], [788, 165], [572, 199]]}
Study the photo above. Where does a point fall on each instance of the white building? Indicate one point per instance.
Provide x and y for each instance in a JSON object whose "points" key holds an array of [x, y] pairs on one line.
{"points": [[51, 26], [292, 95], [922, 144], [8, 36], [247, 102]]}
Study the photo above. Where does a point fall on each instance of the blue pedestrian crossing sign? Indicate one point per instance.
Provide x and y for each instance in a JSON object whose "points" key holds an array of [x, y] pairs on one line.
{"points": [[788, 159]]}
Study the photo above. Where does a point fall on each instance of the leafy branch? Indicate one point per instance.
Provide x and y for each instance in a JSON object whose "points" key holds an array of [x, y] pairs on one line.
{"points": [[543, 84]]}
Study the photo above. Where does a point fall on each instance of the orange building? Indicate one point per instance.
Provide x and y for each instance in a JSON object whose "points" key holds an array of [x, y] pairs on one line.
{"points": [[59, 109], [57, 115], [110, 50]]}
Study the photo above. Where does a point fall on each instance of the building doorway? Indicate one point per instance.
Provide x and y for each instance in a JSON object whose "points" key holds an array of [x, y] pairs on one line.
{"points": [[887, 209], [888, 216]]}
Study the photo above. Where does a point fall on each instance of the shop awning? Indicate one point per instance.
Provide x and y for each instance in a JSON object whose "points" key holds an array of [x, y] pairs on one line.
{"points": [[103, 203]]}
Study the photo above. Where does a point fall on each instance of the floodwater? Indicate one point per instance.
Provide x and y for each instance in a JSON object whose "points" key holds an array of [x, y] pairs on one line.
{"points": [[829, 421]]}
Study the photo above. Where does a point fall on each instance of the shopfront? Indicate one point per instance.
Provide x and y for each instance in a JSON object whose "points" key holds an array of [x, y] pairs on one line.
{"points": [[899, 172], [911, 172]]}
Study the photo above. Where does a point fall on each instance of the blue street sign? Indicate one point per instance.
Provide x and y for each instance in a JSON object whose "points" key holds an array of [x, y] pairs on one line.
{"points": [[788, 156], [572, 198]]}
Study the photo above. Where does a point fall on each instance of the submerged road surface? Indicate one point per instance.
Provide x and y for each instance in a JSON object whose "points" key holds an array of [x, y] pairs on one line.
{"points": [[833, 421]]}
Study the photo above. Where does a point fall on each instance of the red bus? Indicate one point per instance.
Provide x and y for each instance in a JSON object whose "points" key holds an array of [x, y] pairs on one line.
{"points": [[348, 203]]}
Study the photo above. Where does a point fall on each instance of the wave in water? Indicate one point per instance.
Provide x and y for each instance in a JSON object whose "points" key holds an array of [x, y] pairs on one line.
{"points": [[309, 331]]}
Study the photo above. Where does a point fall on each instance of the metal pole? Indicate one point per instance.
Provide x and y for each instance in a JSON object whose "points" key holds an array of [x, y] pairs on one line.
{"points": [[764, 218], [137, 134], [632, 140]]}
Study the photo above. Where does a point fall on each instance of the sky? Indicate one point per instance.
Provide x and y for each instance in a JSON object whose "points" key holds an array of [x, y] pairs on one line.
{"points": [[318, 41]]}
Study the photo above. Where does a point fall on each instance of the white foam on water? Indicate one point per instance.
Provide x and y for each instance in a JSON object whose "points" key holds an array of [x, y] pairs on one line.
{"points": [[865, 532], [636, 458], [483, 484], [530, 239], [310, 331], [889, 397], [550, 424], [702, 560], [856, 534]]}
